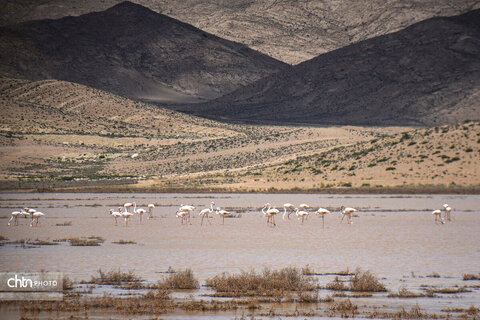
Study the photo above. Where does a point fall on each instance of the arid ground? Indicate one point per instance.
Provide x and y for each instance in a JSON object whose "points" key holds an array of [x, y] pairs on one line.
{"points": [[58, 134]]}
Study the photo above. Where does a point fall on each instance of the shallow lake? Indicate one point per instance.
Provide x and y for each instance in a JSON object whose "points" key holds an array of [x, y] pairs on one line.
{"points": [[394, 236]]}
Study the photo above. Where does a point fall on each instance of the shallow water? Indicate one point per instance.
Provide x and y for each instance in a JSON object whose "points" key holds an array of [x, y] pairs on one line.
{"points": [[394, 236]]}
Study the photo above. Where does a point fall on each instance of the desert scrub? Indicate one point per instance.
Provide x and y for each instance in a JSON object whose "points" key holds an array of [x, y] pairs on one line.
{"points": [[179, 280], [114, 277], [287, 279]]}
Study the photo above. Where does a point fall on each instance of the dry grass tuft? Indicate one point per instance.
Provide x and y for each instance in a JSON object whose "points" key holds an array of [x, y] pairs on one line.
{"points": [[403, 292], [469, 276], [115, 277], [433, 275], [64, 224], [345, 307], [362, 281], [367, 282], [125, 242], [91, 241], [266, 283], [179, 280]]}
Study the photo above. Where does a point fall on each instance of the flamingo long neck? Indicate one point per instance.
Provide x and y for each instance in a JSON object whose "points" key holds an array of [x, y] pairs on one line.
{"points": [[211, 207]]}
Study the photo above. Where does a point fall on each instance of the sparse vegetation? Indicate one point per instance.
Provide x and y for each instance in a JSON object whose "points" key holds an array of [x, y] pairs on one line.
{"points": [[469, 276], [287, 279], [179, 280], [114, 277]]}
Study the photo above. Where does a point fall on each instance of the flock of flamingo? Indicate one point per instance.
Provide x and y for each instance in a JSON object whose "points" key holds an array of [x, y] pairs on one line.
{"points": [[184, 212]]}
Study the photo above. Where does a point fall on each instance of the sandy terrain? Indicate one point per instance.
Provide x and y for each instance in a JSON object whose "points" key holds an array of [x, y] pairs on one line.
{"points": [[58, 134]]}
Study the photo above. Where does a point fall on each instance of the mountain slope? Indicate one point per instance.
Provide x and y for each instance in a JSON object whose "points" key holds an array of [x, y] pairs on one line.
{"points": [[132, 51], [289, 30], [55, 133], [426, 74]]}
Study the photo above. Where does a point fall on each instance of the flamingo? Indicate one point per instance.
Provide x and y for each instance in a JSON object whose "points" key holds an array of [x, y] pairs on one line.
{"points": [[322, 212], [448, 210], [222, 213], [130, 204], [182, 215], [36, 215], [126, 215], [438, 216], [205, 212], [301, 214], [188, 209], [14, 217], [140, 212], [290, 207], [25, 212], [151, 206], [116, 214], [347, 212], [270, 213]]}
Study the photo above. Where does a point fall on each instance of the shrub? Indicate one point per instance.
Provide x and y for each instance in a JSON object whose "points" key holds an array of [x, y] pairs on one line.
{"points": [[115, 277], [179, 280], [287, 279], [365, 281]]}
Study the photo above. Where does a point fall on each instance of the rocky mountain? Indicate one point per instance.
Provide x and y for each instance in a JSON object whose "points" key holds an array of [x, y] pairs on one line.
{"points": [[132, 51], [426, 74], [289, 30]]}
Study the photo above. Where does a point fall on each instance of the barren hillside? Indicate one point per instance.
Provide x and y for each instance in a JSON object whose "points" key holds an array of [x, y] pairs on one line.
{"points": [[414, 160], [291, 31], [56, 133], [132, 51], [426, 74]]}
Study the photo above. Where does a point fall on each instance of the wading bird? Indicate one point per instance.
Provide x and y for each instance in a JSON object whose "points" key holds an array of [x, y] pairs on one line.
{"points": [[438, 216], [14, 217], [448, 211], [301, 214], [130, 204], [270, 214], [126, 215], [222, 213], [322, 212], [140, 212], [188, 209], [182, 215], [288, 208], [116, 214], [36, 215], [206, 212], [151, 206], [347, 212]]}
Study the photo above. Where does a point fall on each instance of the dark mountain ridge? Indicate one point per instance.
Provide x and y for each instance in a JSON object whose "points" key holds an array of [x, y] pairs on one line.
{"points": [[426, 74], [133, 51]]}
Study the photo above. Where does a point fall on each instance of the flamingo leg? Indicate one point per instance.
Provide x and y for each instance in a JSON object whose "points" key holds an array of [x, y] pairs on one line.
{"points": [[323, 221], [201, 221], [343, 216]]}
